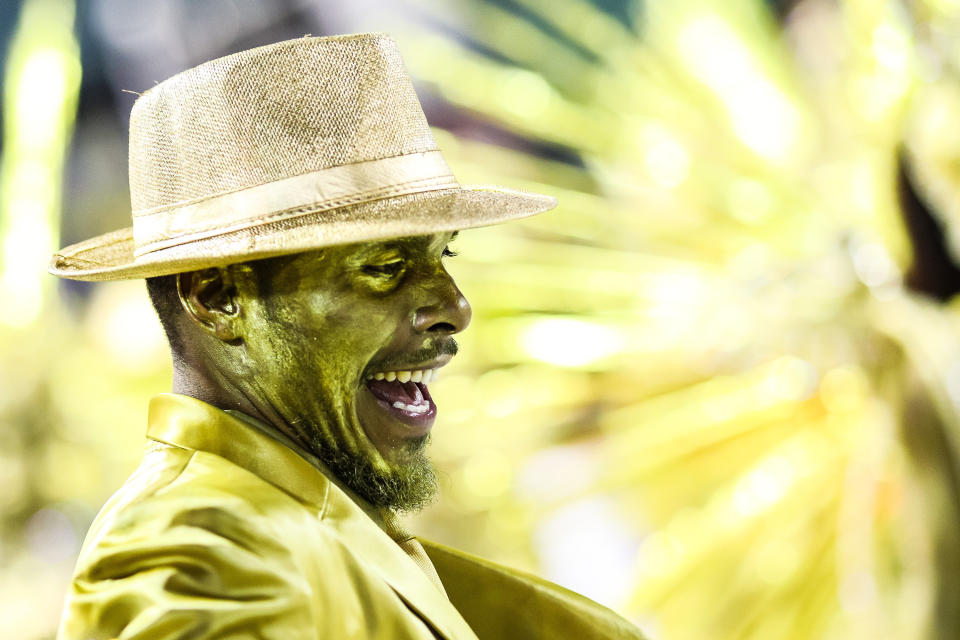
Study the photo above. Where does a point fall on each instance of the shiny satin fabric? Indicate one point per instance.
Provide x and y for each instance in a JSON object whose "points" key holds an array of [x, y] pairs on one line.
{"points": [[499, 602], [224, 531]]}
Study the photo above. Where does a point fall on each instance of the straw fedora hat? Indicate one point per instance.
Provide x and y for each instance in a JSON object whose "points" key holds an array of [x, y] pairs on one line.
{"points": [[280, 149]]}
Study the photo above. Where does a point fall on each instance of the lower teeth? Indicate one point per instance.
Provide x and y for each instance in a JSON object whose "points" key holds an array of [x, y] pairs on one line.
{"points": [[411, 407]]}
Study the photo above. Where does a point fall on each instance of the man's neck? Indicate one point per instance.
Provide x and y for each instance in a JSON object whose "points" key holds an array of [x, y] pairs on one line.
{"points": [[219, 391]]}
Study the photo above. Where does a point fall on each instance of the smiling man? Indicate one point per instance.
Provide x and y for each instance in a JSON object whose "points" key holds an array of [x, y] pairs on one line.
{"points": [[335, 348], [291, 215]]}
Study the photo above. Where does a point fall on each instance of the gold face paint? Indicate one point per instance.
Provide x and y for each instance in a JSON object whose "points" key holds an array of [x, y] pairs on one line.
{"points": [[314, 331]]}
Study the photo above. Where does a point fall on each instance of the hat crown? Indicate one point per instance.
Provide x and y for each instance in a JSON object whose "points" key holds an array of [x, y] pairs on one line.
{"points": [[290, 147], [270, 113]]}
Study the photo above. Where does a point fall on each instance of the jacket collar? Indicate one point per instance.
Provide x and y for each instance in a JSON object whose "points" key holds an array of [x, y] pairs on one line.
{"points": [[189, 423]]}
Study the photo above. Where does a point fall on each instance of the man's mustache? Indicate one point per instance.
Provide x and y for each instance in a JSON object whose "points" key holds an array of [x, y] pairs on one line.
{"points": [[445, 347]]}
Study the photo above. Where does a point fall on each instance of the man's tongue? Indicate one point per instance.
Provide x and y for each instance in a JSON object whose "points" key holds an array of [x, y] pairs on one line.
{"points": [[390, 392]]}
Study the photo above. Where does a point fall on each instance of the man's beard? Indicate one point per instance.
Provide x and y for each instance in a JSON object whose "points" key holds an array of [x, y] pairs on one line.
{"points": [[405, 487]]}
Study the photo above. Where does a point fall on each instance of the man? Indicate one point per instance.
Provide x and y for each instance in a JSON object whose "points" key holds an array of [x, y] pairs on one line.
{"points": [[291, 216]]}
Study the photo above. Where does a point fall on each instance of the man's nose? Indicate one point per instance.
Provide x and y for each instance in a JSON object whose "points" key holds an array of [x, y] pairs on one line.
{"points": [[448, 311]]}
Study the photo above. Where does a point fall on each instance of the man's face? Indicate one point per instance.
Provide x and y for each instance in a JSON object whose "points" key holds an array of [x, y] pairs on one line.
{"points": [[341, 344]]}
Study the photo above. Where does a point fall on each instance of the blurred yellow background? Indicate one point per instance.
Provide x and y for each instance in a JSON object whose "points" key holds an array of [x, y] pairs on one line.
{"points": [[717, 389]]}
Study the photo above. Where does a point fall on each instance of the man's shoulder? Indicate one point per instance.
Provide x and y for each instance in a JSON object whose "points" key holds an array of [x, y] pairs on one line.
{"points": [[178, 491], [196, 544], [187, 532]]}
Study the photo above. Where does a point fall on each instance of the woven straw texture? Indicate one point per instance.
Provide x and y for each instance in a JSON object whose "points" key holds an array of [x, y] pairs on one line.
{"points": [[268, 113], [289, 147], [110, 256]]}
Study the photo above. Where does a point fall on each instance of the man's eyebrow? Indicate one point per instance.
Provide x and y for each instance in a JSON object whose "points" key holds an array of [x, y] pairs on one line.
{"points": [[454, 236]]}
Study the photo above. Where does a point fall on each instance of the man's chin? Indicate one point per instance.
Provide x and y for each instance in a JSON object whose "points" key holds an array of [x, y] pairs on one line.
{"points": [[408, 484]]}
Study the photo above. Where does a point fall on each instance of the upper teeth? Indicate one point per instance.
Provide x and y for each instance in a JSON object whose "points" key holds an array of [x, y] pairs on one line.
{"points": [[419, 375]]}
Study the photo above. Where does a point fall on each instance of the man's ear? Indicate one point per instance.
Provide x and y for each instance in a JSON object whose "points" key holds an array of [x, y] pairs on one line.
{"points": [[210, 298]]}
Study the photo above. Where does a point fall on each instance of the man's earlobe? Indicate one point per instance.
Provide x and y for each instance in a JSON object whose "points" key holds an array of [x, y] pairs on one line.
{"points": [[210, 298]]}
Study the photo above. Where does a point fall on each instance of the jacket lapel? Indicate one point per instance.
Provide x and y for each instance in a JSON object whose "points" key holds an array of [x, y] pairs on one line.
{"points": [[500, 602], [191, 424]]}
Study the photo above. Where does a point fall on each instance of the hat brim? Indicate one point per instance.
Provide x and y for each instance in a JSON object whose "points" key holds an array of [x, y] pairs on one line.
{"points": [[111, 256]]}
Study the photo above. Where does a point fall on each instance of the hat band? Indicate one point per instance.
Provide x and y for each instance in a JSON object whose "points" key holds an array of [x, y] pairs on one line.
{"points": [[171, 225]]}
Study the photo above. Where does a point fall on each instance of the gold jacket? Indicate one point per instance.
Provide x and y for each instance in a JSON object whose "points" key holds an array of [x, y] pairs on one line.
{"points": [[225, 531]]}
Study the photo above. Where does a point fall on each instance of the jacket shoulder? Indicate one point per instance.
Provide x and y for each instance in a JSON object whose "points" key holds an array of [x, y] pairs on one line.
{"points": [[189, 543], [179, 487]]}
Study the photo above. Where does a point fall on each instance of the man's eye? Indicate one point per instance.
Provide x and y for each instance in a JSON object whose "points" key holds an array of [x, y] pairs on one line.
{"points": [[388, 269], [449, 253]]}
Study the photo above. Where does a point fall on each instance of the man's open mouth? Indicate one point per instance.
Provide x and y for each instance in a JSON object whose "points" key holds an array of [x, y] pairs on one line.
{"points": [[404, 393]]}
